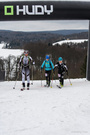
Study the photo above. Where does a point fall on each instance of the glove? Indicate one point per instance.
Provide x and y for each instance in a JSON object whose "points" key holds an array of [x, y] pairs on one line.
{"points": [[33, 62]]}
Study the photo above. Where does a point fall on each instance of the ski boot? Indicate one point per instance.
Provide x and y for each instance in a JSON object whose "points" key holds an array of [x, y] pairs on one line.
{"points": [[48, 83], [28, 86], [61, 84], [23, 87]]}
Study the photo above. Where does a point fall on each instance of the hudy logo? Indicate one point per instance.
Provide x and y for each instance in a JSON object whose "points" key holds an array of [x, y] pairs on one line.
{"points": [[28, 10]]}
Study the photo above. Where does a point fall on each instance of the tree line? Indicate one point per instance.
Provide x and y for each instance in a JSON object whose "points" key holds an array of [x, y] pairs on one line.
{"points": [[74, 56]]}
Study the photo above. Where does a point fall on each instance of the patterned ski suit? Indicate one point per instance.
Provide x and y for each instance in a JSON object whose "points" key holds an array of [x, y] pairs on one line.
{"points": [[25, 63], [62, 68]]}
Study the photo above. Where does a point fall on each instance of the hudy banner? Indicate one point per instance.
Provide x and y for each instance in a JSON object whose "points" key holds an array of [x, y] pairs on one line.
{"points": [[44, 10]]}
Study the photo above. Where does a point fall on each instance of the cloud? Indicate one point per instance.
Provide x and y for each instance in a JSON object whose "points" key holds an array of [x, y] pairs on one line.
{"points": [[43, 25]]}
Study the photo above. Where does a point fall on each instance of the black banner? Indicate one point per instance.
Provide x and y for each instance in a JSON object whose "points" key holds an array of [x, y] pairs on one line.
{"points": [[44, 10]]}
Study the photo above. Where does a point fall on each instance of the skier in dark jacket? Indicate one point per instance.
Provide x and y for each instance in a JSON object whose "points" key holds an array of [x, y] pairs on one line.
{"points": [[25, 62], [48, 67], [62, 68]]}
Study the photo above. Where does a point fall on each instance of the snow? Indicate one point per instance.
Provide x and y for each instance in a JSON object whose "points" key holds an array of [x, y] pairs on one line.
{"points": [[70, 41], [6, 52], [45, 111]]}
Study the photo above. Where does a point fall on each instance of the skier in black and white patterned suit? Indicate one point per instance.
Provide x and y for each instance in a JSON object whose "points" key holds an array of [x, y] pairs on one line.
{"points": [[62, 68], [25, 62]]}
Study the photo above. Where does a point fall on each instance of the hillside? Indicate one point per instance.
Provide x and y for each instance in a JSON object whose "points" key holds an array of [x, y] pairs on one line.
{"points": [[4, 53], [18, 39], [69, 42], [73, 55], [68, 32], [39, 44]]}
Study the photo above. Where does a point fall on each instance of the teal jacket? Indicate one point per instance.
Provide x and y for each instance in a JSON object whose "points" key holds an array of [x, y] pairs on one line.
{"points": [[48, 65]]}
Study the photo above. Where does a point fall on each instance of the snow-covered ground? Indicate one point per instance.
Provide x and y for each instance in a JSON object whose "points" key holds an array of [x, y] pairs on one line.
{"points": [[70, 41], [6, 52], [45, 111]]}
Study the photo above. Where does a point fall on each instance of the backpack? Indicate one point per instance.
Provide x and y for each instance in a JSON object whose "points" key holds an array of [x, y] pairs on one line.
{"points": [[49, 63]]}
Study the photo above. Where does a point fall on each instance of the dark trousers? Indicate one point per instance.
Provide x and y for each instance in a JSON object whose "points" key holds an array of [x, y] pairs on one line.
{"points": [[47, 75], [61, 78]]}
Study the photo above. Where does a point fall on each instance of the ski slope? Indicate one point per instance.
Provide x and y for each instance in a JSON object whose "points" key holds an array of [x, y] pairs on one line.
{"points": [[70, 41], [45, 111], [4, 53]]}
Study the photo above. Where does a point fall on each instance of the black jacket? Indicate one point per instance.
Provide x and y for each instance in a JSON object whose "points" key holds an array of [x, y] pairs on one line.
{"points": [[61, 67]]}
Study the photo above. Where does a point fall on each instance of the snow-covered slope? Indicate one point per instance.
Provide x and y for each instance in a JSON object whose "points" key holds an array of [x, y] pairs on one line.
{"points": [[6, 52], [45, 111], [70, 41]]}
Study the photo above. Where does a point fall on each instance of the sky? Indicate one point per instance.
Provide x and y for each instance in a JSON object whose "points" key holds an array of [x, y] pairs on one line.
{"points": [[43, 25]]}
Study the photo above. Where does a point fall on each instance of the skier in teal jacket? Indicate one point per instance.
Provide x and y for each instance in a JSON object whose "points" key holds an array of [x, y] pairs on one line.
{"points": [[48, 67]]}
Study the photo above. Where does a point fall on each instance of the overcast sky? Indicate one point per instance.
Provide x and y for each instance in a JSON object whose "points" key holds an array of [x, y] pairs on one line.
{"points": [[43, 25]]}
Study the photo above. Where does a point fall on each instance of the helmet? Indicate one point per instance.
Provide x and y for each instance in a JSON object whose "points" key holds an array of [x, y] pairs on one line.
{"points": [[26, 52], [47, 57], [60, 59]]}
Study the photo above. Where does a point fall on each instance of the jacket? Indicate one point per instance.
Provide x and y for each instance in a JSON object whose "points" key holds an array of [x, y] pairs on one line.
{"points": [[48, 65]]}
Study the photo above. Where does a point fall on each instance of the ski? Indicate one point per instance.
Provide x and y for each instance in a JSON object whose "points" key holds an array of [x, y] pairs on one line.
{"points": [[27, 88], [47, 86], [59, 86], [22, 89]]}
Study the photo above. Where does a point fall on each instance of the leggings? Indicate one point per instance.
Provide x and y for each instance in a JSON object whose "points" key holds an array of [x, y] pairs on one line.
{"points": [[25, 71], [61, 78]]}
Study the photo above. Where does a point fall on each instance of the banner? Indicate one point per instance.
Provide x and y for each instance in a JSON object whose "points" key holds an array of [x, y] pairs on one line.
{"points": [[44, 10]]}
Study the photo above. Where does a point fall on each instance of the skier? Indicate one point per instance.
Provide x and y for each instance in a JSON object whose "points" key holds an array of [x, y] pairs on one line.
{"points": [[62, 68], [48, 67], [24, 63]]}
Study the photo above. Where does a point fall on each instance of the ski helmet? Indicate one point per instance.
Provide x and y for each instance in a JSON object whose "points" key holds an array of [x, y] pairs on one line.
{"points": [[60, 59], [47, 57], [26, 52]]}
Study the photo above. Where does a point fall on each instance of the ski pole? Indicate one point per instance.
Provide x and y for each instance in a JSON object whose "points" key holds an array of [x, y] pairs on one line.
{"points": [[51, 84], [54, 77], [51, 80], [15, 84], [69, 80], [16, 81], [41, 78], [32, 75]]}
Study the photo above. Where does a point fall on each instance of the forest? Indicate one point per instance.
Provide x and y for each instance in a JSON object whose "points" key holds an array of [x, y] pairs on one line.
{"points": [[74, 55]]}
